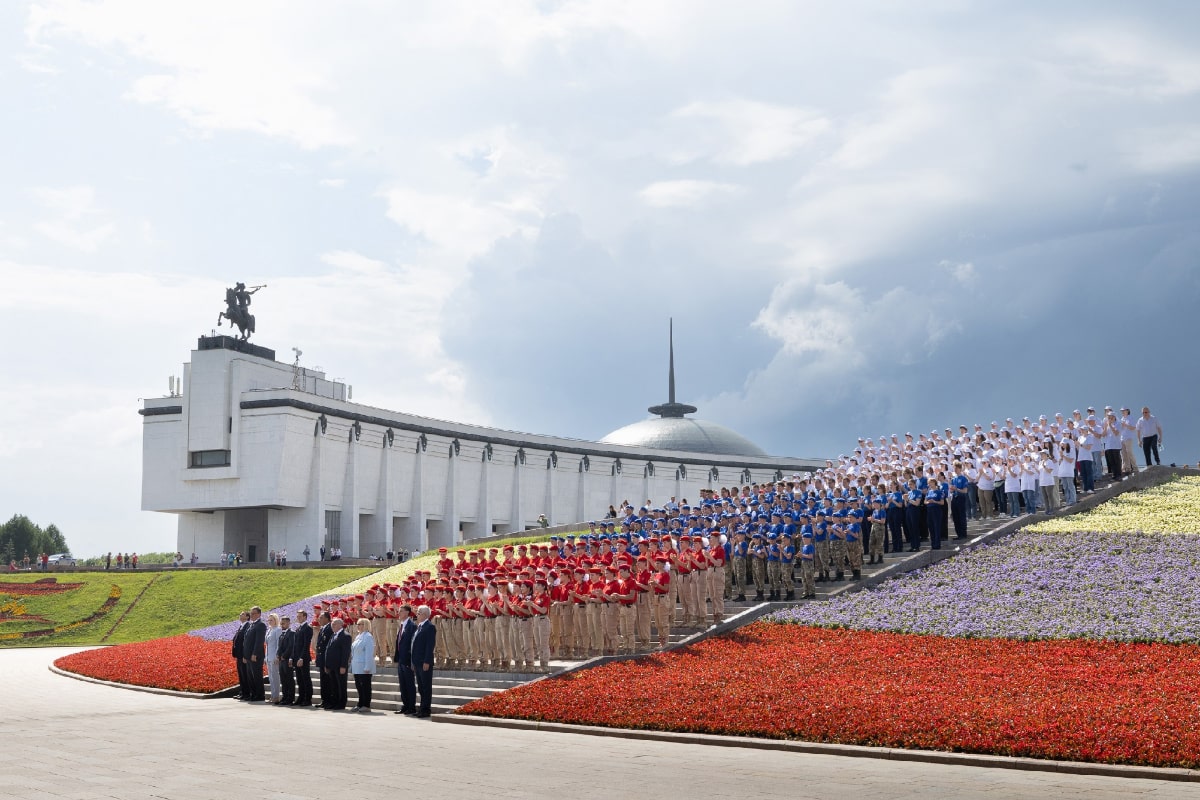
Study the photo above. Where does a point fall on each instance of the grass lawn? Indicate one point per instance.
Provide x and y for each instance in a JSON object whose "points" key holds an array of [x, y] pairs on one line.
{"points": [[172, 602]]}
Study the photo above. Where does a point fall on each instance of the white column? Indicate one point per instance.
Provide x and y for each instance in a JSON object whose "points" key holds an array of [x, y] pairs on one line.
{"points": [[483, 517], [549, 502], [314, 528], [517, 520], [450, 512], [350, 529], [418, 536], [383, 508], [581, 495]]}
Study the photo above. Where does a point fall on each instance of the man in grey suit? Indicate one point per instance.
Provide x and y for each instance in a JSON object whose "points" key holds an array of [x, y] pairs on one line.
{"points": [[253, 651], [408, 686]]}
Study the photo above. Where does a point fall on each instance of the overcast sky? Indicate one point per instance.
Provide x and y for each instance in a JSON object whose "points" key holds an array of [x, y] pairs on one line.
{"points": [[865, 218]]}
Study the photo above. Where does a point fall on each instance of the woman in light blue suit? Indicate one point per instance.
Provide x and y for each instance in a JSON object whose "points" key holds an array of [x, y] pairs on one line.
{"points": [[362, 664], [272, 655]]}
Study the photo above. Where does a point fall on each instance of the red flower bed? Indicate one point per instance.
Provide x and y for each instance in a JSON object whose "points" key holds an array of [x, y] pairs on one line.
{"points": [[184, 663], [1075, 700], [38, 587]]}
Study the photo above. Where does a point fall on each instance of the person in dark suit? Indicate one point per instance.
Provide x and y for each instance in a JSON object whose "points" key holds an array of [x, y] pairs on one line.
{"points": [[253, 651], [337, 665], [238, 637], [323, 637], [300, 660], [408, 686], [287, 661], [423, 640]]}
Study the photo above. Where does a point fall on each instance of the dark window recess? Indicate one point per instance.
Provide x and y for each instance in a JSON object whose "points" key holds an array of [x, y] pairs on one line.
{"points": [[333, 528], [209, 458]]}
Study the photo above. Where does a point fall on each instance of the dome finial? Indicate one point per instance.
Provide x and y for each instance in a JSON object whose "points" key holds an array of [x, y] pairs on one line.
{"points": [[671, 408]]}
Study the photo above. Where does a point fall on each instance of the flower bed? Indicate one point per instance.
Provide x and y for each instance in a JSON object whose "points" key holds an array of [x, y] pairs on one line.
{"points": [[40, 586], [1172, 507], [1122, 587], [223, 632], [1086, 701], [183, 663]]}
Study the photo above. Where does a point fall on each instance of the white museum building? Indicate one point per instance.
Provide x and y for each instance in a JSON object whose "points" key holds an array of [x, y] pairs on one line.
{"points": [[253, 455]]}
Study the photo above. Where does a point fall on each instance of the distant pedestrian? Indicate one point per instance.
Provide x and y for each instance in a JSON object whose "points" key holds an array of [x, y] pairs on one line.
{"points": [[107, 561], [307, 552], [322, 552]]}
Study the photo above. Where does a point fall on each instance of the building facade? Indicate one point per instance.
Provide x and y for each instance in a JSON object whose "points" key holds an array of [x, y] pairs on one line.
{"points": [[255, 455]]}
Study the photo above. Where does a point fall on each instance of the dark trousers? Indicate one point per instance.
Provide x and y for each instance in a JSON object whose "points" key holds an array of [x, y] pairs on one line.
{"points": [[958, 513], [866, 534], [254, 675], [362, 684], [912, 521], [408, 688], [287, 678], [338, 692], [304, 684], [425, 687], [1150, 445], [895, 523], [1113, 459], [1086, 465], [937, 526], [243, 681], [323, 678]]}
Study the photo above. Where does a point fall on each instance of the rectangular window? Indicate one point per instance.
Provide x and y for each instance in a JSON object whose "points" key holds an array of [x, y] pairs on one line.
{"points": [[333, 529], [209, 458]]}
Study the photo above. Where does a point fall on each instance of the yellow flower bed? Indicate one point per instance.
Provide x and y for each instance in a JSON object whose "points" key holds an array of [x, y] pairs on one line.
{"points": [[1172, 507]]}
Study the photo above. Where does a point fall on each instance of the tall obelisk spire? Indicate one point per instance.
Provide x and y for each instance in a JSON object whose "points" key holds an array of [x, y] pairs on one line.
{"points": [[671, 408], [671, 370]]}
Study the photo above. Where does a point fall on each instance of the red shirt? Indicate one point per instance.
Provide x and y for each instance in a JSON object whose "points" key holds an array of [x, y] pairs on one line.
{"points": [[716, 556], [540, 604], [661, 582]]}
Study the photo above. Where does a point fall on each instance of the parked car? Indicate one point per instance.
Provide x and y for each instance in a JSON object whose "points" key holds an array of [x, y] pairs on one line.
{"points": [[62, 560]]}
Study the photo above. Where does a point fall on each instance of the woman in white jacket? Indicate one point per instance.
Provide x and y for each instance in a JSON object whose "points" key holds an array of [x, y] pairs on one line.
{"points": [[362, 664], [272, 655]]}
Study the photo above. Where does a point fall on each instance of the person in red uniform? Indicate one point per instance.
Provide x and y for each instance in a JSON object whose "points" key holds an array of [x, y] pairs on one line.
{"points": [[664, 599], [644, 608], [716, 576], [540, 604], [626, 597]]}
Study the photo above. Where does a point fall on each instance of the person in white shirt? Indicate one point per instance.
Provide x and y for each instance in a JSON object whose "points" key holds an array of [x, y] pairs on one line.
{"points": [[1029, 484], [1112, 445], [1012, 486], [1048, 482], [1150, 436], [1128, 438], [1066, 468]]}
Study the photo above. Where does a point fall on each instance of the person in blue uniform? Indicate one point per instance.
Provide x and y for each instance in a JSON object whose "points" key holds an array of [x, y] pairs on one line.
{"points": [[914, 502], [959, 501], [935, 502]]}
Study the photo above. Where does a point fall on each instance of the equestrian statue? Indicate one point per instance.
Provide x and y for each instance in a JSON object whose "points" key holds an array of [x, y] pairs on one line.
{"points": [[237, 309]]}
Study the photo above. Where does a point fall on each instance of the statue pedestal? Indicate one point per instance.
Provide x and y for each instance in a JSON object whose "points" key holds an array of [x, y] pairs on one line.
{"points": [[234, 343]]}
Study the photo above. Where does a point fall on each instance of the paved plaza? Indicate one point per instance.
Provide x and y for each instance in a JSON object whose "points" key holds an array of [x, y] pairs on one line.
{"points": [[68, 738]]}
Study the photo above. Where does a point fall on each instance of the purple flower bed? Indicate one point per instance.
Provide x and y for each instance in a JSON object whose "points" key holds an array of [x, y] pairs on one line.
{"points": [[1123, 587], [224, 631]]}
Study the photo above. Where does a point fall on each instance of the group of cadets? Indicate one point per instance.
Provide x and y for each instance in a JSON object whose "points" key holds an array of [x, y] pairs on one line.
{"points": [[610, 591]]}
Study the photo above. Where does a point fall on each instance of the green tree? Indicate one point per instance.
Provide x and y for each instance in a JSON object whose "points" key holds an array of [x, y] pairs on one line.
{"points": [[20, 535]]}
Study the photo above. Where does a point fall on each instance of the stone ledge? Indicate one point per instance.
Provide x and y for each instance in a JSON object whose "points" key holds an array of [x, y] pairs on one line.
{"points": [[230, 692], [854, 751]]}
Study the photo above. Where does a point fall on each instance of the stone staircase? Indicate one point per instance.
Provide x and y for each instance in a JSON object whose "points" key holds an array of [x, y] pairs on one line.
{"points": [[451, 688]]}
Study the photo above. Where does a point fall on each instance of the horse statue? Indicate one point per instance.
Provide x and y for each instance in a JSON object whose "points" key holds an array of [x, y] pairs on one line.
{"points": [[237, 309]]}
